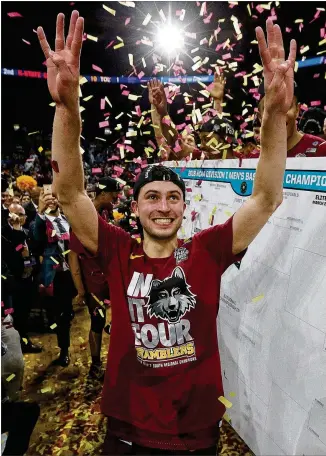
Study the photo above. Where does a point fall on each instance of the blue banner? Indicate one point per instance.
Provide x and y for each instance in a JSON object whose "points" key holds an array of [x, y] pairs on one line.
{"points": [[241, 180]]}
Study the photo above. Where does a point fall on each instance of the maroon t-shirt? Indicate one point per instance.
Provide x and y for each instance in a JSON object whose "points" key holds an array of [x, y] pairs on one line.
{"points": [[309, 146], [93, 278], [163, 371]]}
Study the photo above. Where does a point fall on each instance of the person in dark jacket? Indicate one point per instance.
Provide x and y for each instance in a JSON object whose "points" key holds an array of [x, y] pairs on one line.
{"points": [[19, 260], [51, 230]]}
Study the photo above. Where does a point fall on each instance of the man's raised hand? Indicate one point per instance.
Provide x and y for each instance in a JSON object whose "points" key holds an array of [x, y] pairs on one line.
{"points": [[278, 73], [63, 63]]}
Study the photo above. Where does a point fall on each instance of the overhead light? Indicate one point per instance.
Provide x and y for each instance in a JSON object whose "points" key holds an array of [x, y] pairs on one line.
{"points": [[170, 39]]}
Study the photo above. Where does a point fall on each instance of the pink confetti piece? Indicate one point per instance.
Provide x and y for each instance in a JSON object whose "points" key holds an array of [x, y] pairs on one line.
{"points": [[141, 75], [103, 124], [110, 44], [96, 68], [125, 93], [301, 26], [127, 20], [180, 111], [322, 32], [130, 149], [189, 190], [107, 302], [316, 75], [9, 311], [118, 169], [102, 103], [96, 171], [259, 9], [138, 110], [208, 19], [288, 29], [166, 121], [315, 103], [14, 14], [25, 41], [19, 247], [226, 56]]}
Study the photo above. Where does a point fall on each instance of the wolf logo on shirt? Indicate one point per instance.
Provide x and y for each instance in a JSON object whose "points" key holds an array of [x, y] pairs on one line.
{"points": [[171, 298]]}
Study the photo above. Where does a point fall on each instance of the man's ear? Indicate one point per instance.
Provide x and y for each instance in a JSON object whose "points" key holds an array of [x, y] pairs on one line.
{"points": [[134, 208]]}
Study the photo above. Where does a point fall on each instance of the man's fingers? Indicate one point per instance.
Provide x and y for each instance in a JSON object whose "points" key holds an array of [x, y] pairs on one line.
{"points": [[72, 26], [43, 42], [60, 37], [78, 37], [279, 42], [61, 64], [293, 51], [262, 46]]}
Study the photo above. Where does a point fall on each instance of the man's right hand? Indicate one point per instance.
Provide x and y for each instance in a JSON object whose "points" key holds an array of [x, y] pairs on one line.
{"points": [[44, 202], [14, 221], [157, 97], [64, 63]]}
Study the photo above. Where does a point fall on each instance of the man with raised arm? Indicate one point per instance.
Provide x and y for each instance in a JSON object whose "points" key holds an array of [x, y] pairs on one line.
{"points": [[163, 373]]}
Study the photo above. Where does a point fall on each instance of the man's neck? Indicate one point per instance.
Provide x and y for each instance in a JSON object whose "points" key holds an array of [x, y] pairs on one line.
{"points": [[162, 248], [294, 139]]}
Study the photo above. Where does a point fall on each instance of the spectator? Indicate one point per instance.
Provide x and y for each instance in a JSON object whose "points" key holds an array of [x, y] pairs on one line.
{"points": [[313, 122], [19, 259], [51, 230], [90, 282], [26, 198], [298, 144]]}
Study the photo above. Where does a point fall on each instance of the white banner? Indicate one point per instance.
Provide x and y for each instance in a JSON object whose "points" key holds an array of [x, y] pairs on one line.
{"points": [[272, 317]]}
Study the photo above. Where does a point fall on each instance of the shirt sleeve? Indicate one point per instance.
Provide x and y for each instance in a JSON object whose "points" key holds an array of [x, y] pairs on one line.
{"points": [[217, 240], [112, 242]]}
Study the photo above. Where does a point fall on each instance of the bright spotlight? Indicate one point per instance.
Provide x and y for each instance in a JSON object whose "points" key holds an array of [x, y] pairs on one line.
{"points": [[170, 39]]}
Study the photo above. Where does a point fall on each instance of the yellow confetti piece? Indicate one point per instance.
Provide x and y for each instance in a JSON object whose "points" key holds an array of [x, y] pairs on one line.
{"points": [[81, 339], [53, 326], [249, 10], [52, 104], [305, 49], [296, 66], [33, 132], [143, 62], [297, 21], [8, 379], [97, 300], [82, 80], [100, 311], [66, 252], [258, 298], [46, 390], [40, 149], [53, 233], [225, 402], [131, 59], [25, 340], [109, 10], [81, 108], [101, 187], [118, 46], [3, 277], [228, 213], [133, 97], [54, 260], [232, 394], [197, 198], [226, 417], [131, 133], [322, 42], [88, 98], [92, 38]]}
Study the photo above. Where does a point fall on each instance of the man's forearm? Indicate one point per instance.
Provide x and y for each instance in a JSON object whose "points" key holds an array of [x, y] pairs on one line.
{"points": [[76, 273], [269, 177], [66, 152]]}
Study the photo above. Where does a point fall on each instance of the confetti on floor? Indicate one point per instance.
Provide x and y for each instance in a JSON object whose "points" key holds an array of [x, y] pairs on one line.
{"points": [[70, 422]]}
